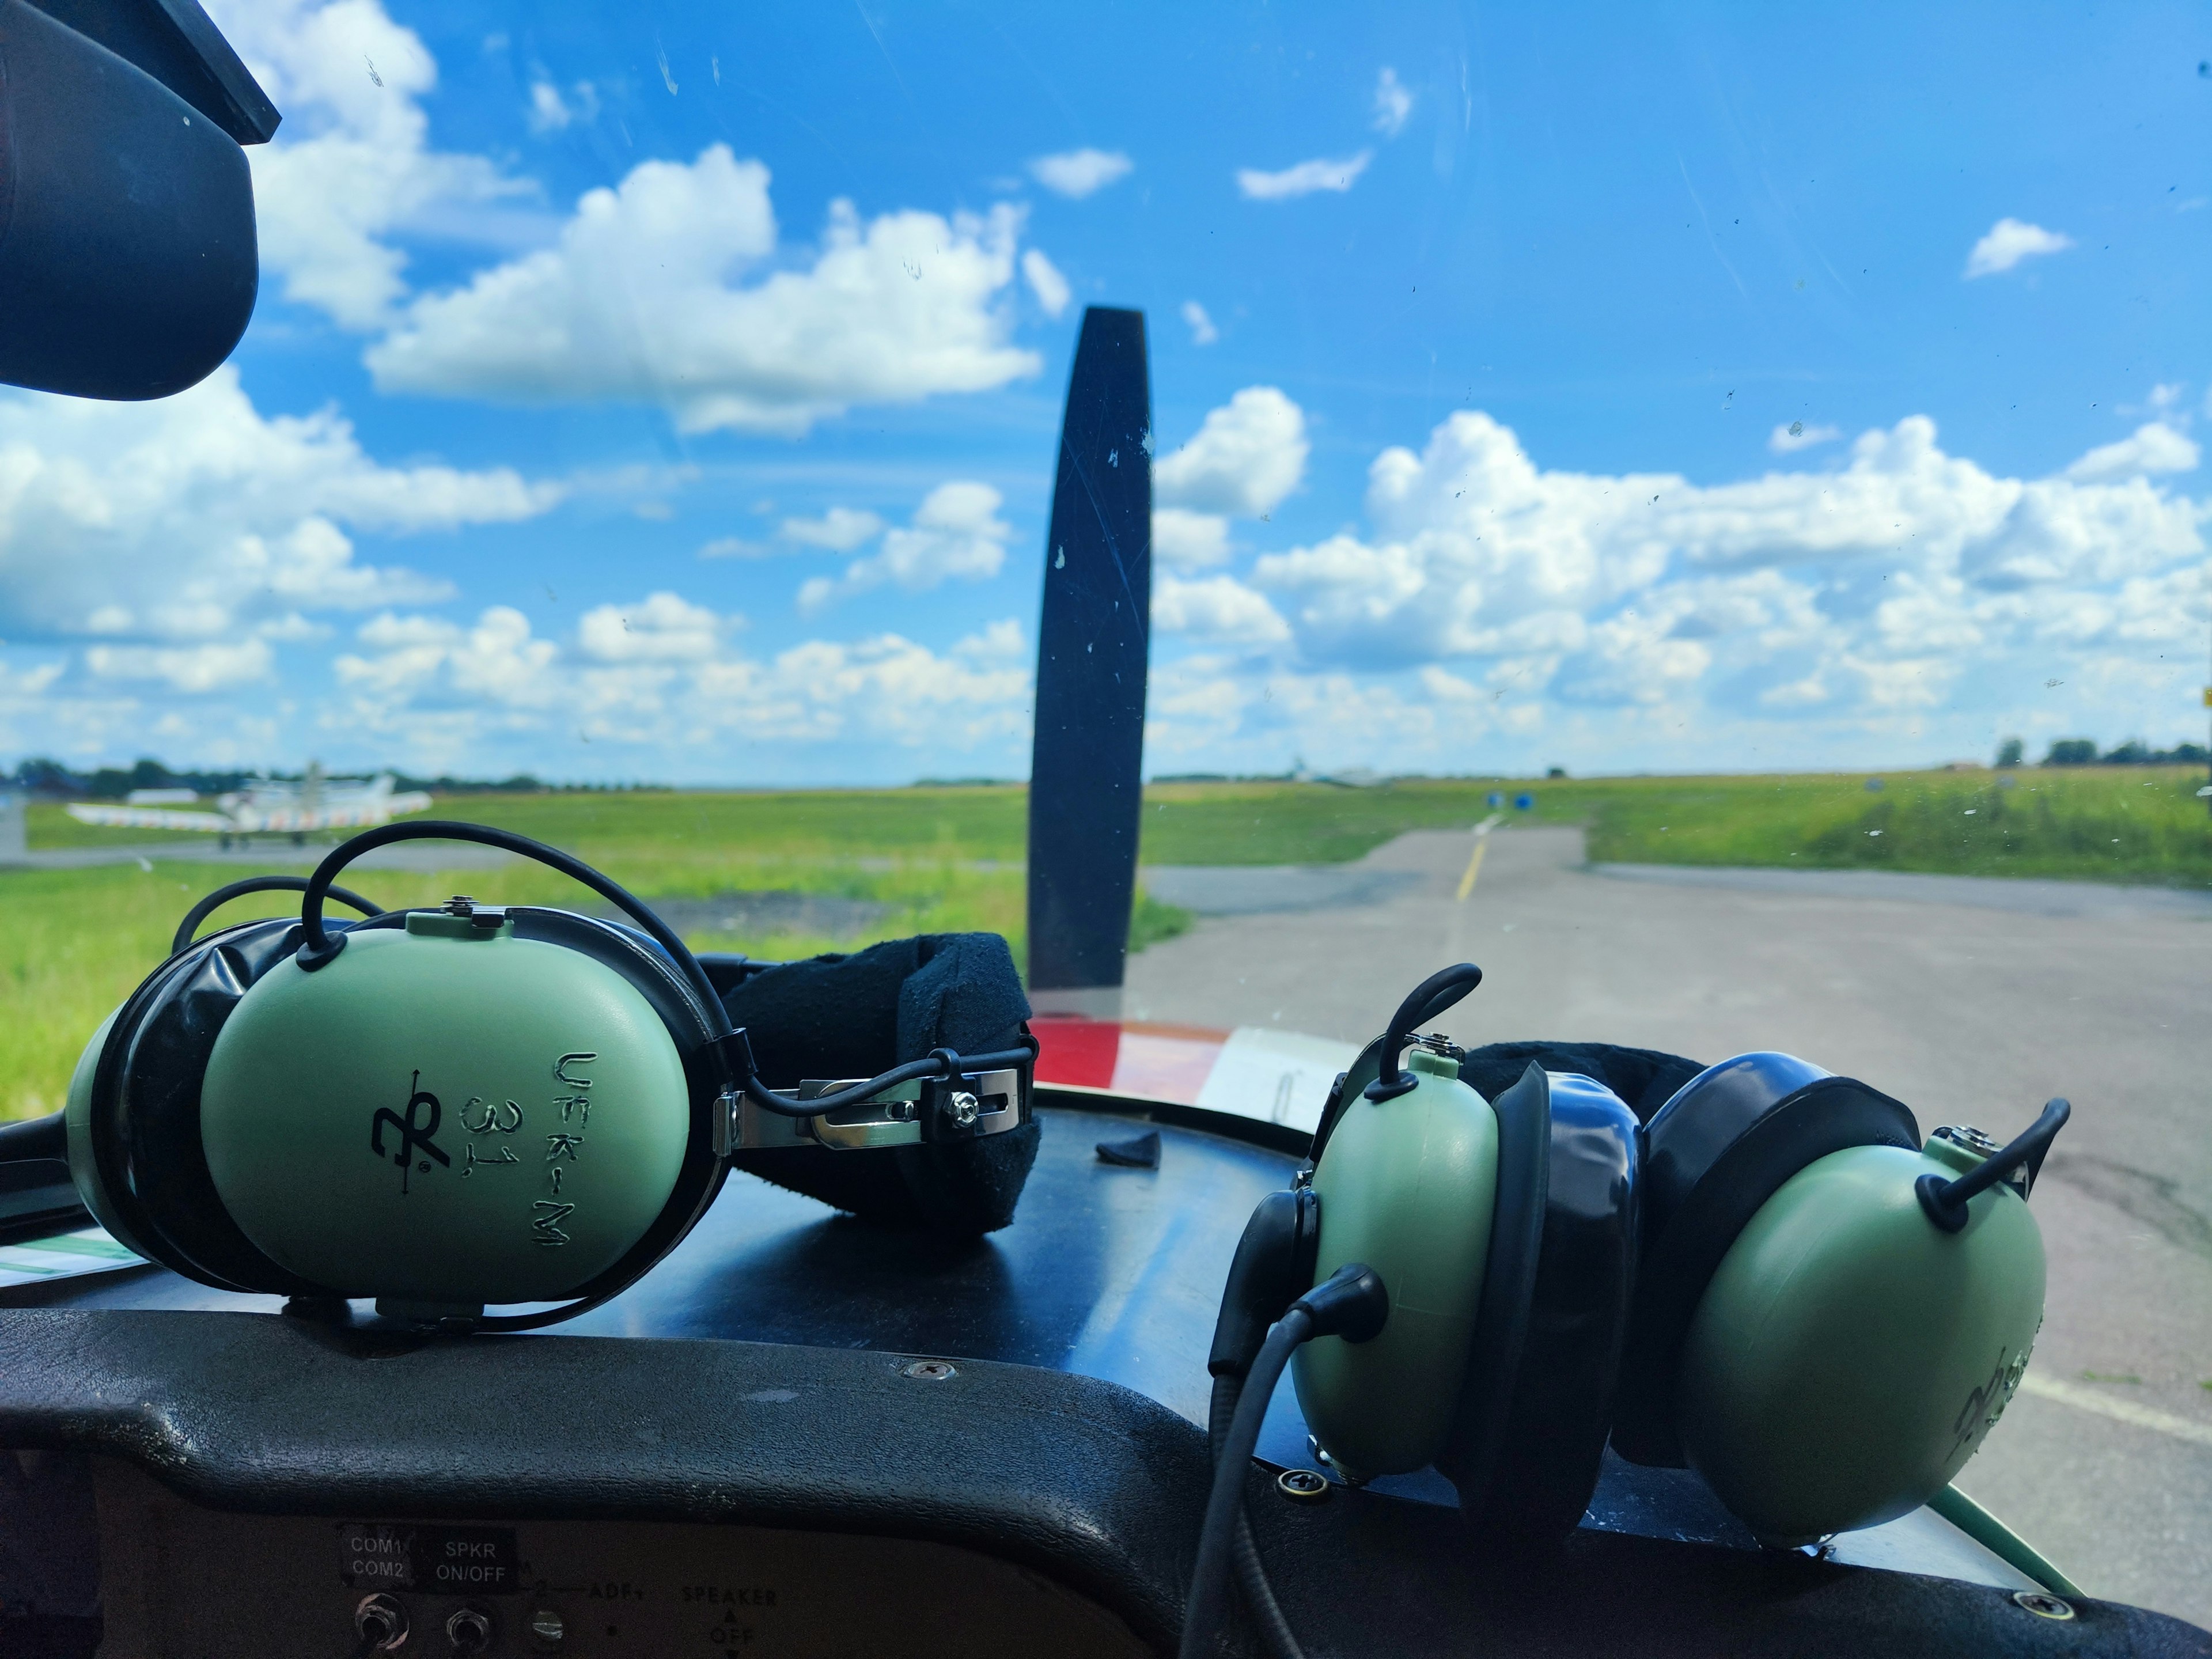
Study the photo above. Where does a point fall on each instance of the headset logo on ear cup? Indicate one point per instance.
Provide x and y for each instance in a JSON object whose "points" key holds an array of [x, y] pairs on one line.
{"points": [[412, 1137], [1987, 1402]]}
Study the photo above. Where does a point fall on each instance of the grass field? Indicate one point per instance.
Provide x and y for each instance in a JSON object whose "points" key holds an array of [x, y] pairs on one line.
{"points": [[75, 942]]}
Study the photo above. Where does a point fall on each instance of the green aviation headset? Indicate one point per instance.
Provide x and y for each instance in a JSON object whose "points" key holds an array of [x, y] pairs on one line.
{"points": [[449, 1109], [1774, 1281]]}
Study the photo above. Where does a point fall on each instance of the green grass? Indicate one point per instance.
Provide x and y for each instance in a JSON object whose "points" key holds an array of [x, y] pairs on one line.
{"points": [[2129, 823], [75, 942]]}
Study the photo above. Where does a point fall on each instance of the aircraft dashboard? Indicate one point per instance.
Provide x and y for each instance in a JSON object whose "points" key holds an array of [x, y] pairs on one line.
{"points": [[804, 1434]]}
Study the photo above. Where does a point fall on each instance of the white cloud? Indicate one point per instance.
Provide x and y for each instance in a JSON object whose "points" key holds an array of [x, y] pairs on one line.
{"points": [[2008, 243], [1202, 331], [2155, 447], [662, 628], [1218, 608], [1078, 172], [734, 547], [1184, 540], [552, 112], [442, 691], [1393, 104], [196, 518], [212, 667], [352, 163], [955, 535], [1786, 440], [1881, 590], [637, 303], [1046, 282], [840, 530], [1248, 455], [1303, 179]]}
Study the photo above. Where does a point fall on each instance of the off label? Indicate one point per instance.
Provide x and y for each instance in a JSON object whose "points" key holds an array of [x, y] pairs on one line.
{"points": [[443, 1560]]}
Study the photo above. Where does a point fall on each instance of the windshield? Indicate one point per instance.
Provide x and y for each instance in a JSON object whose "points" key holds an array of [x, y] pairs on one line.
{"points": [[1700, 516]]}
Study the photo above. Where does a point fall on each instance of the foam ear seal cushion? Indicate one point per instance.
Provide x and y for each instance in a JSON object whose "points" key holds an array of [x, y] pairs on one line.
{"points": [[1516, 1241], [852, 1016], [146, 1109], [1553, 1442], [1644, 1078], [1710, 1206]]}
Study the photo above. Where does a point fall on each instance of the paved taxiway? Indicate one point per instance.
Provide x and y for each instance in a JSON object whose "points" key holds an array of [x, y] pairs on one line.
{"points": [[1972, 1001]]}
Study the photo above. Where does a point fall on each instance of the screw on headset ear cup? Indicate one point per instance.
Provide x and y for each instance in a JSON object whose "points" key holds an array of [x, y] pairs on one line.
{"points": [[1516, 1243], [1553, 1407], [145, 1111], [1713, 1156]]}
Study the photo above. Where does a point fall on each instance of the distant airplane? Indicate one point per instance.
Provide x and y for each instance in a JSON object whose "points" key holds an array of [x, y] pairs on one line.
{"points": [[268, 806]]}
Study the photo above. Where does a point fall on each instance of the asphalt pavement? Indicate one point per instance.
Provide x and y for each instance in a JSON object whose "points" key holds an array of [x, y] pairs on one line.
{"points": [[1972, 1000]]}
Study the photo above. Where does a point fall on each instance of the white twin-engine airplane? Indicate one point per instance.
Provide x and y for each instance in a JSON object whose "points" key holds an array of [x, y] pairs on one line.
{"points": [[267, 806]]}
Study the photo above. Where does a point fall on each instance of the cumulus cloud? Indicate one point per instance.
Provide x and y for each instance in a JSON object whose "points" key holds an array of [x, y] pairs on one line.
{"points": [[840, 530], [1076, 173], [661, 628], [1202, 331], [552, 111], [1393, 104], [1874, 587], [956, 534], [1218, 608], [2153, 448], [353, 163], [1786, 440], [2008, 243], [638, 302], [442, 688], [1046, 282], [1248, 456], [1184, 540], [213, 667], [1303, 179], [196, 520]]}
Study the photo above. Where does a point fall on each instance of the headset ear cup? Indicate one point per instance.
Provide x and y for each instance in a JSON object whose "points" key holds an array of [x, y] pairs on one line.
{"points": [[1714, 1192], [1562, 1405], [1516, 1241], [1552, 1409], [143, 1115]]}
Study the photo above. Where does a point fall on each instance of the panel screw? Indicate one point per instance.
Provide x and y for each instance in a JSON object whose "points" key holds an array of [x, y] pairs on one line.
{"points": [[2043, 1605], [930, 1371], [966, 1108], [547, 1628], [1303, 1485]]}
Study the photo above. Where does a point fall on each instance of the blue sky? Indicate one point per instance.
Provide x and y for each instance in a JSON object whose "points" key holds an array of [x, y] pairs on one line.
{"points": [[670, 392]]}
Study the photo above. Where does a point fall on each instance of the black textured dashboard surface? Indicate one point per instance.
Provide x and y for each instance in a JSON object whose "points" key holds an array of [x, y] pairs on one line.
{"points": [[1087, 1482]]}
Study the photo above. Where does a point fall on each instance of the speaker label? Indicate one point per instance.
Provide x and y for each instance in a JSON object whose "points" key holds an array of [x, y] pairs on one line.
{"points": [[441, 1560]]}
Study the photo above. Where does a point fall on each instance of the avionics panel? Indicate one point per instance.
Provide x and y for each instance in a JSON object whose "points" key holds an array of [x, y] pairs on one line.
{"points": [[179, 1581]]}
